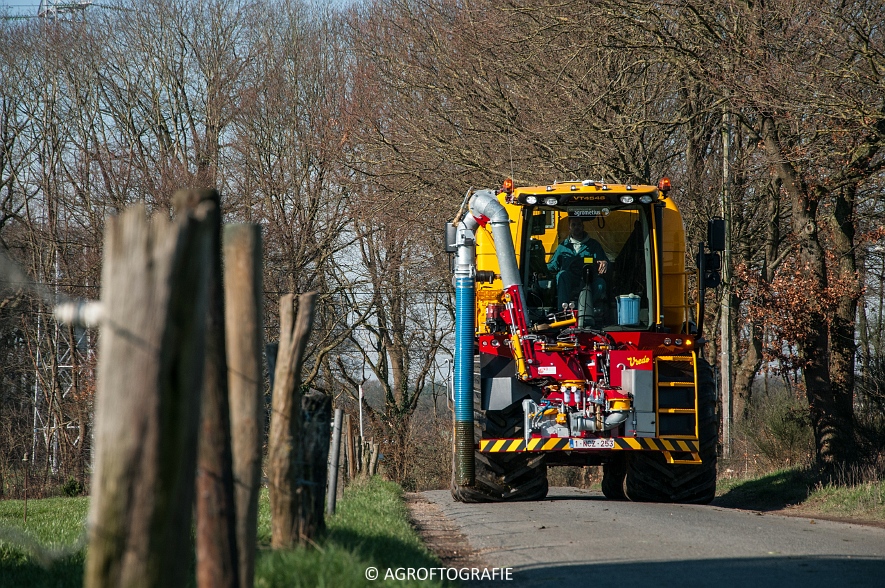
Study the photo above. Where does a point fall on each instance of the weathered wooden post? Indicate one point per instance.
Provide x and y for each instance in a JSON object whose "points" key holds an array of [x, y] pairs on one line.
{"points": [[365, 458], [349, 449], [373, 463], [332, 492], [150, 372], [217, 560], [243, 293], [285, 421], [316, 411]]}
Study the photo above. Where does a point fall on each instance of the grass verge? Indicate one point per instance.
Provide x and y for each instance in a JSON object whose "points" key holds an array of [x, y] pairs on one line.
{"points": [[804, 491], [370, 529], [47, 550], [865, 501]]}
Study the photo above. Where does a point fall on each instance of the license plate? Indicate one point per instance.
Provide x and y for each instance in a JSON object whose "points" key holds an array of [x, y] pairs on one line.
{"points": [[591, 443]]}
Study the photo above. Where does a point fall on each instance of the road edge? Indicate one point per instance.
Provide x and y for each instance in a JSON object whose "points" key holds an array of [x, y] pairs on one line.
{"points": [[440, 534]]}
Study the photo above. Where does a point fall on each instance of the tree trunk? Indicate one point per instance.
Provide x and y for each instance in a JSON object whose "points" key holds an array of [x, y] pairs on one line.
{"points": [[832, 431], [842, 327], [747, 370]]}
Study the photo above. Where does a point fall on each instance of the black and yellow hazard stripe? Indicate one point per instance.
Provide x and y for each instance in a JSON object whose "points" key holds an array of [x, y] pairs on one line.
{"points": [[511, 445], [501, 445], [561, 443], [654, 444]]}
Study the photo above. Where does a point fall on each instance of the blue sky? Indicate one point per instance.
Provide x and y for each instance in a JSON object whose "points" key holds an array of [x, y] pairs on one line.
{"points": [[19, 7]]}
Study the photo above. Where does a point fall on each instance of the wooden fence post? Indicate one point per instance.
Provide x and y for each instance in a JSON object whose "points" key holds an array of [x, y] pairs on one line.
{"points": [[373, 463], [217, 561], [365, 457], [244, 292], [150, 372], [316, 411], [285, 421], [349, 445]]}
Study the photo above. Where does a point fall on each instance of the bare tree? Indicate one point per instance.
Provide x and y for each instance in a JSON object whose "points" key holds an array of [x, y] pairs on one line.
{"points": [[408, 321], [801, 81]]}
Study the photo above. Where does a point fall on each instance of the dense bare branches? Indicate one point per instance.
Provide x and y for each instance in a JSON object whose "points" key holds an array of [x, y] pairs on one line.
{"points": [[806, 85], [352, 136]]}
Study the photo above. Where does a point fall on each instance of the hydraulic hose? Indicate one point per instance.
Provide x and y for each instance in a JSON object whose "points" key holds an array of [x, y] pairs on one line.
{"points": [[484, 203], [465, 330]]}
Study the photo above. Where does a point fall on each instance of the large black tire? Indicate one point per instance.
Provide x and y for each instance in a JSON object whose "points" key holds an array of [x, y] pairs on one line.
{"points": [[651, 479], [614, 473], [503, 477]]}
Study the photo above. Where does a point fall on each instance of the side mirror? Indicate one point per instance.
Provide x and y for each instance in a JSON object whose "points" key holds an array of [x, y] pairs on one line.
{"points": [[716, 234], [709, 265], [712, 262]]}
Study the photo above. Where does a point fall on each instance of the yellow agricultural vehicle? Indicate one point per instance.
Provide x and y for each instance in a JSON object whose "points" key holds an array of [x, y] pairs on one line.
{"points": [[574, 343]]}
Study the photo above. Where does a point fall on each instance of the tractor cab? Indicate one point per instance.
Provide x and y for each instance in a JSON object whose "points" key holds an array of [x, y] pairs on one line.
{"points": [[594, 259]]}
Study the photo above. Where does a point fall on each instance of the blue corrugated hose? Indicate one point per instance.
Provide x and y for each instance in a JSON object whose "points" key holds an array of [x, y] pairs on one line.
{"points": [[465, 294]]}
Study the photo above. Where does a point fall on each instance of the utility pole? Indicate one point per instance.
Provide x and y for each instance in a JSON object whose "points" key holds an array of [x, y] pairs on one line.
{"points": [[725, 301]]}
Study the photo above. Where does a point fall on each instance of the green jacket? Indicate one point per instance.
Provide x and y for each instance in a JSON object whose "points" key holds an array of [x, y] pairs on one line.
{"points": [[565, 258]]}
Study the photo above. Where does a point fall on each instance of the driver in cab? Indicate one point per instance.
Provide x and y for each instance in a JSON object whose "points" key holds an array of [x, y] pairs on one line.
{"points": [[575, 252]]}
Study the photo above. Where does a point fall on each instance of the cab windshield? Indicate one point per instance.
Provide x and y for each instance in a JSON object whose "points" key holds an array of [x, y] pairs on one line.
{"points": [[596, 259]]}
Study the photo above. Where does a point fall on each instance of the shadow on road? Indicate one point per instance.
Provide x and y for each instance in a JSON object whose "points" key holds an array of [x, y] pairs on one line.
{"points": [[777, 571], [772, 492]]}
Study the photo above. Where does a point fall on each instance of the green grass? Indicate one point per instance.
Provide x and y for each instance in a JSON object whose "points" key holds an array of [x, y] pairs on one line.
{"points": [[802, 491], [865, 501], [47, 550], [370, 529]]}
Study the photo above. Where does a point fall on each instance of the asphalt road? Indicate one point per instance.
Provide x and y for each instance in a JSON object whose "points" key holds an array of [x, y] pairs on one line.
{"points": [[578, 538]]}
